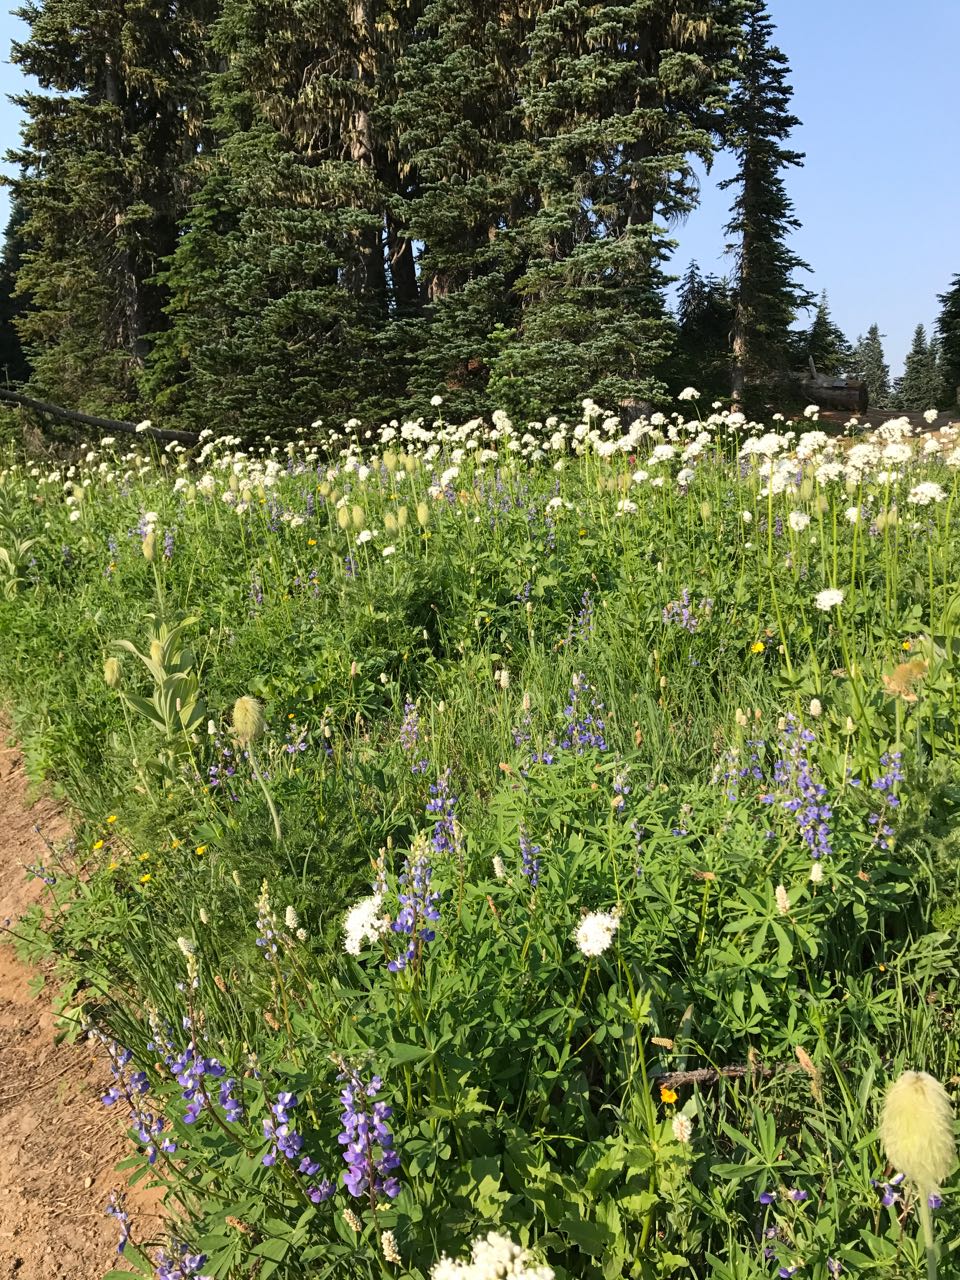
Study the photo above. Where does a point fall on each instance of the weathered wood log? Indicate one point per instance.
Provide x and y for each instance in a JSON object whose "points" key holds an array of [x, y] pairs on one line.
{"points": [[91, 420]]}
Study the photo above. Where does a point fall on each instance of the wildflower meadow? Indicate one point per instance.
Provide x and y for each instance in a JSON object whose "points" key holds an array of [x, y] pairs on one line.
{"points": [[506, 849]]}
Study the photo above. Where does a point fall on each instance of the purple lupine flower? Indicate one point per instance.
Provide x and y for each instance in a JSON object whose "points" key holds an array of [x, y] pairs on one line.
{"points": [[232, 1106], [279, 1128], [168, 544], [681, 613], [367, 1141], [180, 1264], [805, 795], [349, 567], [584, 725], [417, 905], [410, 735], [443, 804], [130, 1087], [885, 786], [115, 1209], [766, 1197], [530, 860], [889, 1193], [834, 1267], [798, 1196]]}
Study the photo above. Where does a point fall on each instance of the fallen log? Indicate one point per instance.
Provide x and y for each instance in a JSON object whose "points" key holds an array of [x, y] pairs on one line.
{"points": [[91, 420]]}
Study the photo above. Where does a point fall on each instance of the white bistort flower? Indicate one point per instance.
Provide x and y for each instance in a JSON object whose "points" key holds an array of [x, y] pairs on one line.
{"points": [[798, 521], [492, 1257], [689, 393], [682, 1128], [829, 598], [595, 932]]}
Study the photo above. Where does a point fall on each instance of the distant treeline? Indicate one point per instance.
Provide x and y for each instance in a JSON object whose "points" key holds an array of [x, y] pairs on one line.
{"points": [[252, 213]]}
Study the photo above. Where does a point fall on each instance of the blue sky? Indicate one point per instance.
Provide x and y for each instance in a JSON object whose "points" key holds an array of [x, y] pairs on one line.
{"points": [[879, 195]]}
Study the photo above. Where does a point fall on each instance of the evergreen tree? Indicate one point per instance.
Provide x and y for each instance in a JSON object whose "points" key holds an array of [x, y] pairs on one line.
{"points": [[104, 147], [868, 363], [705, 311], [294, 261], [919, 387], [766, 295], [14, 367], [948, 331], [618, 99], [824, 343]]}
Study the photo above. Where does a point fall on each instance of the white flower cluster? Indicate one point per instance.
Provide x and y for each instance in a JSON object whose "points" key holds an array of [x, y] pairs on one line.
{"points": [[595, 932], [492, 1257], [365, 920]]}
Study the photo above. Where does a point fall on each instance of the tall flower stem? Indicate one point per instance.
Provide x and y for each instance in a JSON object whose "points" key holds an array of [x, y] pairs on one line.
{"points": [[255, 768]]}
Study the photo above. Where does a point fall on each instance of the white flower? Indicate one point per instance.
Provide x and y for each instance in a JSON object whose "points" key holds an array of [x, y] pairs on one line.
{"points": [[388, 551], [929, 415], [783, 900], [852, 514], [816, 708], [746, 517], [798, 521], [187, 946], [364, 536], [492, 1257], [689, 393], [921, 495], [816, 872], [74, 517], [291, 919], [388, 1241], [682, 1127], [499, 870], [595, 932], [829, 598], [364, 920], [436, 401], [811, 411]]}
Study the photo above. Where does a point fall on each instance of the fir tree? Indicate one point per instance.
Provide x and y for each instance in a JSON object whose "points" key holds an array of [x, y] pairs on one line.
{"points": [[948, 332], [618, 99], [702, 358], [919, 387], [868, 363], [824, 343], [294, 261], [14, 367], [104, 147], [766, 295]]}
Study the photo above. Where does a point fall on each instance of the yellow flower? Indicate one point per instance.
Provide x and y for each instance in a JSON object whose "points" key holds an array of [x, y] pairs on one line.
{"points": [[906, 646], [174, 844], [98, 844], [146, 878], [667, 1095], [582, 533], [200, 850], [112, 818], [144, 857], [311, 542], [757, 647], [114, 866]]}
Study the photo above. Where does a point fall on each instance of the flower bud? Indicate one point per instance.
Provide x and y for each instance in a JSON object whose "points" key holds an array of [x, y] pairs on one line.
{"points": [[248, 721]]}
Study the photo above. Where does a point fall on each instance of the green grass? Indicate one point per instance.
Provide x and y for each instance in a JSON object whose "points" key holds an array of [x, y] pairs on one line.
{"points": [[560, 663]]}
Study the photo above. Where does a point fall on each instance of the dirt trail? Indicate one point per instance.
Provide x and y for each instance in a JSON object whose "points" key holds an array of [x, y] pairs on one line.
{"points": [[59, 1143]]}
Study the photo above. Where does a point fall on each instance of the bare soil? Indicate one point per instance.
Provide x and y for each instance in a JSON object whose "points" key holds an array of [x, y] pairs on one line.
{"points": [[58, 1143]]}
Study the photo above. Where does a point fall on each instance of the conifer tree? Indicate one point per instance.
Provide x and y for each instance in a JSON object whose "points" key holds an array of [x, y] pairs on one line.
{"points": [[948, 331], [702, 358], [766, 293], [824, 343], [105, 141], [868, 363], [14, 367], [919, 387], [294, 261], [618, 99]]}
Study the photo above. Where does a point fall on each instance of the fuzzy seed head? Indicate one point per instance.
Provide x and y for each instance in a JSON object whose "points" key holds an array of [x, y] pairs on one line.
{"points": [[248, 721], [423, 514], [343, 518], [111, 673], [916, 1129], [149, 545]]}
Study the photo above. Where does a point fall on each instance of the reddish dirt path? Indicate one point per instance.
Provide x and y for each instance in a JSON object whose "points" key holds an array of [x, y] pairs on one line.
{"points": [[58, 1143]]}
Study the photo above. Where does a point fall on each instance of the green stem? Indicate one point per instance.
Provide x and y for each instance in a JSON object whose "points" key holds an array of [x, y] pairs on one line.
{"points": [[266, 794], [926, 1222]]}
